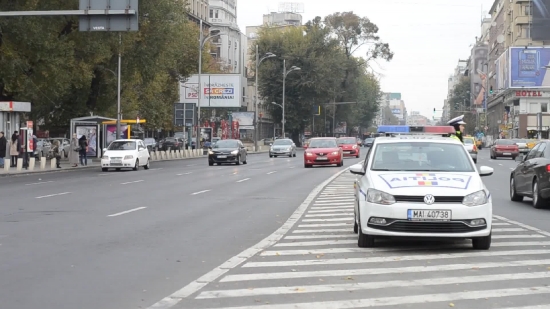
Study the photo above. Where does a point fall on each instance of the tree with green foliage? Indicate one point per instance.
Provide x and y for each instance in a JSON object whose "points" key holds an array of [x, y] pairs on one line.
{"points": [[329, 73], [459, 103], [66, 73]]}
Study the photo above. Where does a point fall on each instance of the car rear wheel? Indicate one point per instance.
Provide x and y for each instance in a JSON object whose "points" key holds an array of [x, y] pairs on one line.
{"points": [[136, 167], [482, 243], [147, 166], [513, 194]]}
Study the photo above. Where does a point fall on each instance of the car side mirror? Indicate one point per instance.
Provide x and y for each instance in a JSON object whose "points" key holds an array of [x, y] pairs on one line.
{"points": [[485, 171], [104, 149], [520, 158], [357, 169]]}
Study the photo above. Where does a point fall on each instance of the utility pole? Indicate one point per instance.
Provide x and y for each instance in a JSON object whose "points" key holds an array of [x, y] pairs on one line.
{"points": [[118, 113]]}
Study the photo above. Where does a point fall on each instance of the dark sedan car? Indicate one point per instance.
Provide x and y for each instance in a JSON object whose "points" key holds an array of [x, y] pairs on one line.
{"points": [[530, 177], [368, 142], [227, 151]]}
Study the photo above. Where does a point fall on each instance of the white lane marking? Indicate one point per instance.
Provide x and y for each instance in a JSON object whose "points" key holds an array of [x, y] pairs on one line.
{"points": [[316, 243], [321, 236], [38, 183], [334, 211], [333, 198], [325, 220], [353, 236], [323, 231], [130, 182], [126, 212], [339, 200], [530, 307], [292, 167], [534, 229], [349, 215], [51, 195], [243, 180], [200, 192], [368, 285], [511, 168], [272, 172], [184, 174], [361, 251], [513, 229], [103, 174], [323, 225], [500, 164], [191, 164], [235, 261], [499, 223], [156, 169], [377, 271]]}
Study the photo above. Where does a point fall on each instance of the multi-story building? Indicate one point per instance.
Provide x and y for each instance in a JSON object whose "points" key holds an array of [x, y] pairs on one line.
{"points": [[391, 101], [280, 20], [416, 119], [197, 10], [452, 81], [230, 47], [518, 79]]}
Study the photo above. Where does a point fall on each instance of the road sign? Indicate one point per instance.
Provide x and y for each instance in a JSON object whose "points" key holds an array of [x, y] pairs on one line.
{"points": [[109, 21], [185, 114]]}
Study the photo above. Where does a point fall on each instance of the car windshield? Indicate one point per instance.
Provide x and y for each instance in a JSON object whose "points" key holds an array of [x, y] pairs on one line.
{"points": [[283, 142], [505, 142], [323, 143], [521, 141], [346, 141], [421, 157], [122, 145], [226, 144], [468, 141]]}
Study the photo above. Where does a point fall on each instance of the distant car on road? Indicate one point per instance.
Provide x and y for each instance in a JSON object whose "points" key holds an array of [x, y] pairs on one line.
{"points": [[504, 148], [470, 145], [227, 151], [349, 146], [323, 151], [125, 153], [282, 147], [368, 142], [530, 177]]}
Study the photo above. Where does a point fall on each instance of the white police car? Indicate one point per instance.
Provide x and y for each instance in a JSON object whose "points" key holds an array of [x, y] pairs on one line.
{"points": [[421, 186]]}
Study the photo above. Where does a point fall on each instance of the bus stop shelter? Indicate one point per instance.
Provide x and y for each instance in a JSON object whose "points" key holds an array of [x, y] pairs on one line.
{"points": [[92, 128]]}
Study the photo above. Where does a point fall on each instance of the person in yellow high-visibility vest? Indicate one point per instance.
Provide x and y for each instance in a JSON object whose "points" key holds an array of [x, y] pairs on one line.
{"points": [[458, 123]]}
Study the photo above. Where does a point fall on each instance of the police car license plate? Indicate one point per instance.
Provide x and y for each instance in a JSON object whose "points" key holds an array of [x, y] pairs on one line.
{"points": [[429, 215], [222, 157]]}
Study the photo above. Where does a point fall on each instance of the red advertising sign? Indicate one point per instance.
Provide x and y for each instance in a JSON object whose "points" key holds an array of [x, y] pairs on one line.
{"points": [[235, 129], [523, 93], [224, 129], [30, 140], [214, 131]]}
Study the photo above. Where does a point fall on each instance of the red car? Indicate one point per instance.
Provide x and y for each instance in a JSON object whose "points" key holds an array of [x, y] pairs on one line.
{"points": [[323, 151], [349, 145], [504, 148]]}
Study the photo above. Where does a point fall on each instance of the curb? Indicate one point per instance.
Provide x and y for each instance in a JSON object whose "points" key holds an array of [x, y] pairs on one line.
{"points": [[39, 172]]}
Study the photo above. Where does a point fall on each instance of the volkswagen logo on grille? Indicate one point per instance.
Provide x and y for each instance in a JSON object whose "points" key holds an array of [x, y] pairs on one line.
{"points": [[429, 199]]}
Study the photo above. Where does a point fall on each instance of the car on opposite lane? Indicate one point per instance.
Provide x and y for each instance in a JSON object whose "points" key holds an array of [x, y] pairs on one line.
{"points": [[531, 177], [125, 153], [349, 146], [323, 151], [227, 151], [470, 145], [421, 187], [368, 142], [282, 147]]}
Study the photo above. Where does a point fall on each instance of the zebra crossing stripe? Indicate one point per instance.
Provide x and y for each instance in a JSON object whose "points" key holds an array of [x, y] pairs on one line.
{"points": [[368, 285]]}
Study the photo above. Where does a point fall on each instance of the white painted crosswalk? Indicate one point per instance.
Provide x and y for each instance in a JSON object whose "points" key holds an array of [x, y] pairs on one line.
{"points": [[317, 265]]}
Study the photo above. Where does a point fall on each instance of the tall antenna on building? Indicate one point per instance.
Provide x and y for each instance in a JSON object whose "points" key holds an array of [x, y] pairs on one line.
{"points": [[291, 7]]}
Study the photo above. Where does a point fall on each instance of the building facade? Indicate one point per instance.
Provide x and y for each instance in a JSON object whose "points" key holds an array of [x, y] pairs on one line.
{"points": [[197, 10], [452, 81], [519, 84], [228, 48], [391, 102]]}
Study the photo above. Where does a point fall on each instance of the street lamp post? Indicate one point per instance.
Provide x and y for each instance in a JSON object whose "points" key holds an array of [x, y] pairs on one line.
{"points": [[118, 116], [258, 61], [285, 73], [202, 41], [283, 108]]}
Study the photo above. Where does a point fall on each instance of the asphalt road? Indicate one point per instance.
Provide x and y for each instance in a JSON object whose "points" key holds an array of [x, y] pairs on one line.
{"points": [[316, 263], [88, 239]]}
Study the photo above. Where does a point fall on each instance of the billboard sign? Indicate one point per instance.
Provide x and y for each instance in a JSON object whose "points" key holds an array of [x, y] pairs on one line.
{"points": [[396, 111], [245, 120], [502, 70], [216, 90], [478, 75], [540, 22], [527, 67]]}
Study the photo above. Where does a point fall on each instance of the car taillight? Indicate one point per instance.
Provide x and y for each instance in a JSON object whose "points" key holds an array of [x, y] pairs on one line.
{"points": [[548, 168], [475, 148]]}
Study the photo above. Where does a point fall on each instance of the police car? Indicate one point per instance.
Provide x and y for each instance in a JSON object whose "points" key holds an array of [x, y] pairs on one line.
{"points": [[416, 182]]}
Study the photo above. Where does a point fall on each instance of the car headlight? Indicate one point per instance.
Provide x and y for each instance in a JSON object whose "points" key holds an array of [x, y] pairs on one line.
{"points": [[128, 157], [105, 157], [379, 197], [335, 153], [309, 154], [475, 199], [210, 152], [234, 152], [354, 147]]}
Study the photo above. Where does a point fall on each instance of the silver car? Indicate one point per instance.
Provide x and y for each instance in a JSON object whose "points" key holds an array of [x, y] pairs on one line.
{"points": [[469, 144], [282, 147]]}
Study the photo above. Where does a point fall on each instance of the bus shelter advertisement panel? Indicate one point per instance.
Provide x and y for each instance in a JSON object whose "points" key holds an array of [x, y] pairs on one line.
{"points": [[527, 67], [216, 90], [91, 137], [110, 133]]}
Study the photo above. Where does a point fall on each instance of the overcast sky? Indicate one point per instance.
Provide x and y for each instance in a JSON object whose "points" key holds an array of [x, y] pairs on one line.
{"points": [[427, 36]]}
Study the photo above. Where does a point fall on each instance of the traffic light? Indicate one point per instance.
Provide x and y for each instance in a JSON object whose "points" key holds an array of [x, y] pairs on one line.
{"points": [[316, 110], [491, 90]]}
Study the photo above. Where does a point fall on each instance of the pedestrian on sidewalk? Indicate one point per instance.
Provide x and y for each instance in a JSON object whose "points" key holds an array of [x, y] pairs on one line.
{"points": [[56, 153], [14, 148], [83, 143], [73, 153], [3, 147]]}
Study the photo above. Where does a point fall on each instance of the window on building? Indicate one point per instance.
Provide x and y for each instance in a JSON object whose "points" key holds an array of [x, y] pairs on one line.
{"points": [[211, 13], [534, 108], [216, 14], [544, 107], [524, 31], [526, 9]]}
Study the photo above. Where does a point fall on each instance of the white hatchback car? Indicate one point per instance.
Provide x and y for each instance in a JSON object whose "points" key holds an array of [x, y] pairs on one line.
{"points": [[125, 153], [421, 187]]}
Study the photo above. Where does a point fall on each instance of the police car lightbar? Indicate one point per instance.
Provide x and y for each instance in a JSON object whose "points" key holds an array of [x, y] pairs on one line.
{"points": [[416, 129]]}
